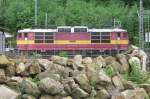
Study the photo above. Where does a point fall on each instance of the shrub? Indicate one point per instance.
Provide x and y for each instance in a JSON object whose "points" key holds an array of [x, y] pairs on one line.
{"points": [[63, 54], [109, 71]]}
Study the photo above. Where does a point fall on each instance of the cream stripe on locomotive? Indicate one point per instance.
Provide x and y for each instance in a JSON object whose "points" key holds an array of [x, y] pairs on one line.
{"points": [[72, 42]]}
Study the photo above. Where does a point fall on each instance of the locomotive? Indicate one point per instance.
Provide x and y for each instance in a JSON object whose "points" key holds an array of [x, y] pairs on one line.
{"points": [[73, 40]]}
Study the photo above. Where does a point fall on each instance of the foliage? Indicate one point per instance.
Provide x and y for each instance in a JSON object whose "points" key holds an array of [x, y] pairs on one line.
{"points": [[63, 54], [136, 75], [19, 14], [109, 71], [35, 80]]}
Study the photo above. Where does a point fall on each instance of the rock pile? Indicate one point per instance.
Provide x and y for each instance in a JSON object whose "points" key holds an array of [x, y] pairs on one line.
{"points": [[77, 78]]}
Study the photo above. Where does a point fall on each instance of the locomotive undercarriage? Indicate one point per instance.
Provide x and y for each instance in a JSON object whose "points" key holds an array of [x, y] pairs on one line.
{"points": [[70, 53]]}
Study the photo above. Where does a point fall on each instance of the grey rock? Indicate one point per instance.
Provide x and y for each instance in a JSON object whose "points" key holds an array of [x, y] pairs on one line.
{"points": [[29, 87], [50, 97], [4, 61], [83, 81], [50, 86], [34, 68], [7, 93], [26, 96], [2, 76]]}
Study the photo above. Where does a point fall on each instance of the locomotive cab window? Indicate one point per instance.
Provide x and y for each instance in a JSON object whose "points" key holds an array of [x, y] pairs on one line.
{"points": [[105, 37], [95, 41], [25, 35], [46, 37], [49, 38], [95, 37], [39, 37], [80, 29], [118, 36], [64, 29], [38, 41]]}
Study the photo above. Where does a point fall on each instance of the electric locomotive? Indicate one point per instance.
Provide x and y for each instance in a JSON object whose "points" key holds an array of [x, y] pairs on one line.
{"points": [[73, 40]]}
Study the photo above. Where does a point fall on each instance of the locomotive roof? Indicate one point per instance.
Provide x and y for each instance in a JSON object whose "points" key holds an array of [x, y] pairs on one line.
{"points": [[37, 30], [107, 30], [55, 30]]}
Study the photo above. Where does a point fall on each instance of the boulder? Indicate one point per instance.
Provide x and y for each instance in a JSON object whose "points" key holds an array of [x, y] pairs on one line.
{"points": [[29, 87], [50, 97], [14, 83], [78, 59], [138, 93], [102, 94], [100, 61], [26, 96], [87, 60], [92, 75], [50, 86], [69, 84], [59, 60], [2, 76], [129, 85], [16, 79], [48, 73], [68, 97], [44, 63], [7, 93], [83, 81], [142, 55], [119, 96], [103, 78], [111, 61], [21, 67], [34, 68], [78, 93], [56, 71], [124, 62], [146, 87], [135, 62], [131, 48], [10, 70], [97, 77], [94, 66], [4, 62], [61, 70], [71, 64], [117, 81]]}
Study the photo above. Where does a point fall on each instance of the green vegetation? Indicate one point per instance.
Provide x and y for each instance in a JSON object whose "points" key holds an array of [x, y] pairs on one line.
{"points": [[63, 54], [136, 75], [19, 14], [109, 71]]}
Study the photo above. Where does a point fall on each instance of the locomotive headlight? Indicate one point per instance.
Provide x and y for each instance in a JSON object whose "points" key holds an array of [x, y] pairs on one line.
{"points": [[26, 38], [118, 38]]}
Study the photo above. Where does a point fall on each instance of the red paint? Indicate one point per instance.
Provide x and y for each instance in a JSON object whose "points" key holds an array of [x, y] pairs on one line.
{"points": [[72, 47], [123, 36], [72, 36], [30, 36]]}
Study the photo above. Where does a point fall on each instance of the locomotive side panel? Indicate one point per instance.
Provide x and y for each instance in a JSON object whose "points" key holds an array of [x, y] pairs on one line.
{"points": [[72, 38], [45, 40]]}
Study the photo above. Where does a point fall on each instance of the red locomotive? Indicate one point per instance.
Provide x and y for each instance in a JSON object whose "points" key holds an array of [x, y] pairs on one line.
{"points": [[74, 40]]}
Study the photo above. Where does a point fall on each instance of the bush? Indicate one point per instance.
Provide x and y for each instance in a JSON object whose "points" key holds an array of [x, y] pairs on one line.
{"points": [[136, 75], [109, 71], [63, 54]]}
